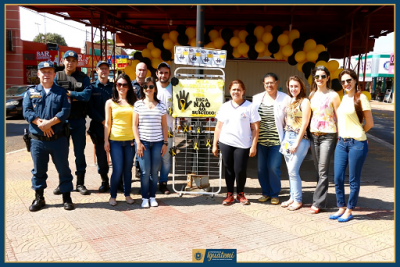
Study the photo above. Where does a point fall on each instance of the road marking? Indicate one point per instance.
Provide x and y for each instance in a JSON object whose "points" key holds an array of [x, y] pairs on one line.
{"points": [[376, 139], [16, 151]]}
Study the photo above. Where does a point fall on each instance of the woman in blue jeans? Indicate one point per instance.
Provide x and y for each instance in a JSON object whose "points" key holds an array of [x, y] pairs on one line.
{"points": [[352, 147], [118, 136], [295, 143], [150, 128]]}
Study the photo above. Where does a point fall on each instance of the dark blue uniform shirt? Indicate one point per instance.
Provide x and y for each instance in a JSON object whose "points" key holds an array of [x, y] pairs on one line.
{"points": [[87, 89], [37, 104], [96, 111], [136, 88]]}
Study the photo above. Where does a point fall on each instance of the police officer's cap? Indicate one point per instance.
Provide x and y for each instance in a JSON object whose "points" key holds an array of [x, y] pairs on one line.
{"points": [[71, 53], [45, 64], [102, 62], [163, 64]]}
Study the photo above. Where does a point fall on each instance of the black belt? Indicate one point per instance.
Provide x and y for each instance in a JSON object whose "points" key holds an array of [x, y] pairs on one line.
{"points": [[47, 139]]}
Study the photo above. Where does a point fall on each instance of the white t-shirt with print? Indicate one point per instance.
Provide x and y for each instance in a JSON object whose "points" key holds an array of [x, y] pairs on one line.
{"points": [[236, 130]]}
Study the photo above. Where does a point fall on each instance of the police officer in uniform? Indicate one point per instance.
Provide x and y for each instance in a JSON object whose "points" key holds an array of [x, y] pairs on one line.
{"points": [[101, 92], [79, 90], [46, 107]]}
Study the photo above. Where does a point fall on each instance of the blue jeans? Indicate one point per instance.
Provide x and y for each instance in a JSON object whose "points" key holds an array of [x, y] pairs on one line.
{"points": [[166, 163], [78, 135], [269, 169], [353, 153], [122, 153], [149, 164], [293, 165]]}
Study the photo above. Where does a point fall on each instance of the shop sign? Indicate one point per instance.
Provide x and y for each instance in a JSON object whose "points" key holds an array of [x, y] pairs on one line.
{"points": [[197, 97]]}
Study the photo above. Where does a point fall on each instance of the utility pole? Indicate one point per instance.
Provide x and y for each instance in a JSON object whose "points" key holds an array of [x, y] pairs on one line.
{"points": [[38, 27], [45, 41]]}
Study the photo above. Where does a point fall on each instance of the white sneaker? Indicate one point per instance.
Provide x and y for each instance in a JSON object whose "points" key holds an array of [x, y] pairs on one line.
{"points": [[145, 203], [153, 202]]}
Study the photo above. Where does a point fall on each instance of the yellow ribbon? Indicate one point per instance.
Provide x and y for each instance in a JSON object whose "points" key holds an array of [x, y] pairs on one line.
{"points": [[208, 143], [169, 134], [195, 146], [185, 129], [170, 111], [198, 129], [182, 105], [173, 153]]}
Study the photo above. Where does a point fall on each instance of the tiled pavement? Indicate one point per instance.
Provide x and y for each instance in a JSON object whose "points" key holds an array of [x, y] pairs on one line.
{"points": [[97, 232]]}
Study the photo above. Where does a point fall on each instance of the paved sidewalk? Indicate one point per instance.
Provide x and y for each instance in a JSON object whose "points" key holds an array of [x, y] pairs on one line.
{"points": [[97, 232]]}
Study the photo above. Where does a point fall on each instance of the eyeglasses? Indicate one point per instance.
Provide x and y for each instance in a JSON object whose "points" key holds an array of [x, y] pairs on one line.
{"points": [[124, 85], [270, 83], [346, 81], [145, 87], [319, 76]]}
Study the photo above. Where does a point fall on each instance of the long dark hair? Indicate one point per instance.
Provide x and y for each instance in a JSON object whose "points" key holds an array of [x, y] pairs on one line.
{"points": [[149, 79], [357, 100], [130, 96], [302, 94], [314, 84]]}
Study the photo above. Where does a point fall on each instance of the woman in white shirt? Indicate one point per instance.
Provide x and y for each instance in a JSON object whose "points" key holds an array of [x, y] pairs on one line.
{"points": [[151, 131], [237, 134], [352, 146]]}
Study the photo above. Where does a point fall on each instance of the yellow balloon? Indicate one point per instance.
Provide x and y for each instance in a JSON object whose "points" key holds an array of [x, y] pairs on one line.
{"points": [[287, 50], [234, 41], [285, 58], [168, 44], [268, 28], [156, 53], [155, 62], [267, 37], [309, 45], [193, 42], [190, 32], [333, 65], [340, 93], [260, 55], [320, 48], [135, 62], [258, 32], [243, 48], [266, 52], [260, 46], [165, 36], [245, 55], [150, 46], [132, 75], [335, 75], [129, 69], [300, 56], [210, 45], [293, 34], [283, 39], [173, 35], [312, 56], [236, 53], [146, 53], [322, 63], [286, 32], [219, 42], [242, 35], [148, 74], [310, 79], [236, 33], [367, 94], [300, 66], [213, 35], [278, 55]]}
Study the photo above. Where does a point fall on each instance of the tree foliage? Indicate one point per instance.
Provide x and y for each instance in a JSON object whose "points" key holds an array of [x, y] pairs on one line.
{"points": [[50, 38], [109, 42]]}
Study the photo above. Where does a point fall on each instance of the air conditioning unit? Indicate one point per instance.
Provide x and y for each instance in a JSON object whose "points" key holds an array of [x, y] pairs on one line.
{"points": [[52, 46]]}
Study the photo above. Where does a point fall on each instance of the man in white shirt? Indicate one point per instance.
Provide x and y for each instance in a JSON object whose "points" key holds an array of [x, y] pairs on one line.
{"points": [[165, 96]]}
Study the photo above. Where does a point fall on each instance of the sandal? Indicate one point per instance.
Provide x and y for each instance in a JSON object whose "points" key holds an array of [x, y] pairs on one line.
{"points": [[286, 204], [112, 201], [295, 206], [314, 210]]}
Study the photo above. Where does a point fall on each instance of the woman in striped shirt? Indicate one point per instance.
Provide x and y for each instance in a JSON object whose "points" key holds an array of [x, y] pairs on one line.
{"points": [[150, 128]]}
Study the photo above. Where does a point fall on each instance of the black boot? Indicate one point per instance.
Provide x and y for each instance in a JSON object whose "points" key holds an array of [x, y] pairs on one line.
{"points": [[68, 205], [163, 188], [104, 184], [39, 202], [80, 180], [57, 191]]}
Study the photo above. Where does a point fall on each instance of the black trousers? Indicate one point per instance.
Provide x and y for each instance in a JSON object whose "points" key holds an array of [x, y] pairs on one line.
{"points": [[235, 162]]}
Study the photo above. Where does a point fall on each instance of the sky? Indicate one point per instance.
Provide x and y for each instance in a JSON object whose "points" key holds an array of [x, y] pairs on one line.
{"points": [[75, 34]]}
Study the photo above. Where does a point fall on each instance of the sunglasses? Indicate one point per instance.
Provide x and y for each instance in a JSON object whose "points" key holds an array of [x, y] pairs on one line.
{"points": [[319, 76], [346, 81], [124, 85], [145, 87]]}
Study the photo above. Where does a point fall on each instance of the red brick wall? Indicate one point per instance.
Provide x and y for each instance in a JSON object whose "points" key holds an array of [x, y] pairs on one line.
{"points": [[14, 59]]}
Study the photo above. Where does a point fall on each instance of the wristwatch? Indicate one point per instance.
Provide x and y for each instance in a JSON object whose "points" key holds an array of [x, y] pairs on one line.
{"points": [[166, 143]]}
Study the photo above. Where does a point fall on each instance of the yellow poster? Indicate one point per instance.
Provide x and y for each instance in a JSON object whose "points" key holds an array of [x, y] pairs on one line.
{"points": [[197, 97]]}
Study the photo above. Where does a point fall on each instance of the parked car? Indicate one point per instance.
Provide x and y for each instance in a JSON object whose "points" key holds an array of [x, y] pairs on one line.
{"points": [[14, 97]]}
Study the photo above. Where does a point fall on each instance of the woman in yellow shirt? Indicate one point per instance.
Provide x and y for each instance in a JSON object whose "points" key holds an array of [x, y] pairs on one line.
{"points": [[352, 146], [118, 135]]}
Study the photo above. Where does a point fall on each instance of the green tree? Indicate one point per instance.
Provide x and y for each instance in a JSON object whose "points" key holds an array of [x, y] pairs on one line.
{"points": [[109, 42], [50, 38], [133, 53]]}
